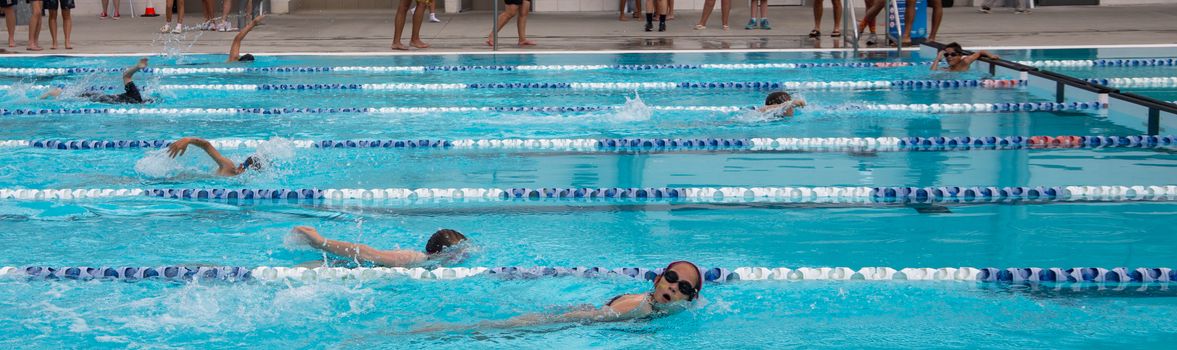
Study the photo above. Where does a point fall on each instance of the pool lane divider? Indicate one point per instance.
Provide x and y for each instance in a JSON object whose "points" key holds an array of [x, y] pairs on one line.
{"points": [[1013, 275], [815, 144], [915, 84], [1140, 82], [456, 68], [820, 194], [915, 107], [1142, 62]]}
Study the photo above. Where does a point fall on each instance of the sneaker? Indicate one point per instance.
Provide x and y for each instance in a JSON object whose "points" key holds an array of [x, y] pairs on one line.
{"points": [[872, 39], [984, 9], [165, 28], [751, 24], [178, 29], [764, 24], [433, 18], [662, 27], [649, 26]]}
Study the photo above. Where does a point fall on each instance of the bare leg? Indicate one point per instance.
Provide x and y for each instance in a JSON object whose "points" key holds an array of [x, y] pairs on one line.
{"points": [[669, 12], [521, 23], [228, 5], [818, 11], [937, 15], [621, 9], [402, 12], [67, 25], [10, 22], [763, 8], [725, 11], [415, 41], [117, 14], [872, 12], [504, 17], [837, 15], [208, 10], [707, 7], [908, 20], [167, 11], [105, 4], [35, 26], [180, 13], [53, 29]]}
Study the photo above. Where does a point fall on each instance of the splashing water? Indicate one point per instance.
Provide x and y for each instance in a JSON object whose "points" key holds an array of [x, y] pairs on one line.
{"points": [[276, 149], [296, 241], [157, 164], [634, 109]]}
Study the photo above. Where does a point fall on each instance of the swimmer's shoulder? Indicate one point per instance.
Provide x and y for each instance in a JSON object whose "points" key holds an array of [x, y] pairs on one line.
{"points": [[628, 303]]}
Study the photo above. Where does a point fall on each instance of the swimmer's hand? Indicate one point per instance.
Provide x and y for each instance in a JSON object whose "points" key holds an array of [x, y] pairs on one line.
{"points": [[142, 63], [312, 235], [179, 147], [799, 102]]}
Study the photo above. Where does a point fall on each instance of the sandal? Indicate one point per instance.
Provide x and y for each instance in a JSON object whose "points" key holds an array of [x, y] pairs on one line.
{"points": [[836, 34], [814, 33], [700, 27]]}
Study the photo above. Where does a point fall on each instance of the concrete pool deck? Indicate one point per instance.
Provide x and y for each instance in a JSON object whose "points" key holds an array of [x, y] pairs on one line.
{"points": [[371, 31]]}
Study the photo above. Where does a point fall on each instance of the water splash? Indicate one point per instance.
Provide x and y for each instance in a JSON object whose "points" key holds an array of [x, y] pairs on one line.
{"points": [[633, 110], [157, 164], [295, 241]]}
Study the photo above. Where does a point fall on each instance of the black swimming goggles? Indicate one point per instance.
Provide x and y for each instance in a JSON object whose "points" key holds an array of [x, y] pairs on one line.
{"points": [[684, 287]]}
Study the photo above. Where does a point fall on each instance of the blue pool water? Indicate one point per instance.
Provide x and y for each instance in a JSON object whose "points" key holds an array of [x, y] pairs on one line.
{"points": [[146, 231]]}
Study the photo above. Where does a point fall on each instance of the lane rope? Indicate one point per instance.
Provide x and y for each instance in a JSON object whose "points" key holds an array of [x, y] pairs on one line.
{"points": [[1013, 275], [915, 107], [623, 86], [813, 144], [786, 194]]}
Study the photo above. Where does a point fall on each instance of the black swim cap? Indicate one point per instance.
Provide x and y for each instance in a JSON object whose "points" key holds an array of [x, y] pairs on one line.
{"points": [[245, 57]]}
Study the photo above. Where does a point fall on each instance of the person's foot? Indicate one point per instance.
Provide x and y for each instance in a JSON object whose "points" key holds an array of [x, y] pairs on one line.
{"points": [[662, 27], [399, 46], [11, 43], [726, 27], [700, 27], [622, 18], [419, 44], [490, 42], [526, 43], [68, 46], [984, 9], [764, 24], [178, 29], [34, 48], [102, 16], [836, 34], [872, 39], [116, 16], [814, 33], [53, 46], [433, 18], [751, 24], [166, 27], [649, 26]]}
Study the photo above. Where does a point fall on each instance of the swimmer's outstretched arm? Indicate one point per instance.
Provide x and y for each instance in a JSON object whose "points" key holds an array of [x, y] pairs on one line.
{"points": [[361, 252], [130, 72], [982, 53], [180, 146], [619, 310], [235, 49]]}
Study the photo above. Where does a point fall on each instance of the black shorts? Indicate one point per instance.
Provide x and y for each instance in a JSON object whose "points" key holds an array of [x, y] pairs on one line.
{"points": [[59, 4], [131, 95], [513, 2], [7, 3]]}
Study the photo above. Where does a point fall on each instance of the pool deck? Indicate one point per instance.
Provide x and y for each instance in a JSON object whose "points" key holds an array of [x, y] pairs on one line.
{"points": [[371, 31]]}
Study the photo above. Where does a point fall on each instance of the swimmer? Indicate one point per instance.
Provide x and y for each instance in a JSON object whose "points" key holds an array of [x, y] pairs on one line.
{"points": [[957, 60], [435, 249], [780, 104], [235, 50], [131, 94], [225, 167], [676, 289]]}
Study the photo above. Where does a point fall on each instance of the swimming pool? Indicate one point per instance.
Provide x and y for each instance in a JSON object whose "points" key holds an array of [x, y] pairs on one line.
{"points": [[581, 161]]}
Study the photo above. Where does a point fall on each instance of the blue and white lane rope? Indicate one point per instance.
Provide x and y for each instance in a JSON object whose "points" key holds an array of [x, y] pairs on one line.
{"points": [[624, 86], [1112, 62], [812, 144], [915, 107], [821, 194], [1142, 62], [1142, 82], [1096, 275], [454, 68]]}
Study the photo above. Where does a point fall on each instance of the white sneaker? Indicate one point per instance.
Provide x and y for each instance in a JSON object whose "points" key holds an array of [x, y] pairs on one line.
{"points": [[164, 29], [433, 18], [178, 29]]}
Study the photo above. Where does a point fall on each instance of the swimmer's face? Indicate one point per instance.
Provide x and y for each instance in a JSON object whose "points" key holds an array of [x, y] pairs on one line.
{"points": [[952, 55], [679, 282]]}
